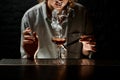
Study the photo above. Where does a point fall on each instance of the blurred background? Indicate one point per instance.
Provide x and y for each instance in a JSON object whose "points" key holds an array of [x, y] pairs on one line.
{"points": [[104, 12]]}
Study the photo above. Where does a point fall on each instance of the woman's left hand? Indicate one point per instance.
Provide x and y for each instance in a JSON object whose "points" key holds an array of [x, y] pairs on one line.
{"points": [[88, 44]]}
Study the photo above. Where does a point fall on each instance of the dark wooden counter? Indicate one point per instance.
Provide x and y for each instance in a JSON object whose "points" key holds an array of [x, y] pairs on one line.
{"points": [[47, 69]]}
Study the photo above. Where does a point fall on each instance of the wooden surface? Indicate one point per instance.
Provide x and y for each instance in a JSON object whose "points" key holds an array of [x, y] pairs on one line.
{"points": [[18, 69]]}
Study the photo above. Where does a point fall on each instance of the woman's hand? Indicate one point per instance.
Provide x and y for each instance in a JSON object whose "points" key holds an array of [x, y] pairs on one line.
{"points": [[30, 42], [89, 44]]}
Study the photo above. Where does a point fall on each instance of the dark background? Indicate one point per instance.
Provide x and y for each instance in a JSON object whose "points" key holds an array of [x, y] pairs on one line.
{"points": [[104, 13]]}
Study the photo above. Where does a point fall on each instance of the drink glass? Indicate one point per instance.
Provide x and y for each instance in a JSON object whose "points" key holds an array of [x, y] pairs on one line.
{"points": [[59, 34], [59, 41]]}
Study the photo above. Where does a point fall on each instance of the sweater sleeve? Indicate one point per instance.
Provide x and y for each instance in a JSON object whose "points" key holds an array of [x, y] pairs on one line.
{"points": [[24, 25]]}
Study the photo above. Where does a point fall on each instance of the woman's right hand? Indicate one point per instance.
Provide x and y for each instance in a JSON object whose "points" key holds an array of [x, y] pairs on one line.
{"points": [[30, 42]]}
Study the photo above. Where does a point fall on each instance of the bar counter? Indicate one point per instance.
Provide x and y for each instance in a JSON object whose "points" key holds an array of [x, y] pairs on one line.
{"points": [[50, 69]]}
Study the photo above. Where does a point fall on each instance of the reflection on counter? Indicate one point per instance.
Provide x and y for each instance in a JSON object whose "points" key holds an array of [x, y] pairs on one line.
{"points": [[47, 62]]}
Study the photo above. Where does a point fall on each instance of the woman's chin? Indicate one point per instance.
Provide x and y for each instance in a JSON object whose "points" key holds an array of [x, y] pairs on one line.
{"points": [[59, 8]]}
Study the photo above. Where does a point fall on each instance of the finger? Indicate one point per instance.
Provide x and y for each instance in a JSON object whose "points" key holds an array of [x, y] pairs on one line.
{"points": [[35, 36], [27, 42], [27, 31], [93, 43], [85, 42], [28, 37]]}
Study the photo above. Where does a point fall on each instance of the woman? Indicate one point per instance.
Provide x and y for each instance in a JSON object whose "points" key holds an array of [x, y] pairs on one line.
{"points": [[36, 30]]}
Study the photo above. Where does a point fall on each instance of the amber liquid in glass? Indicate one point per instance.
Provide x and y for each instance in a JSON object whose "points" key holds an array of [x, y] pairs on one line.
{"points": [[59, 41]]}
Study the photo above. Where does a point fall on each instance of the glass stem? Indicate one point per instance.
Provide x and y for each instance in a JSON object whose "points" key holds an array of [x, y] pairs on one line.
{"points": [[59, 51]]}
